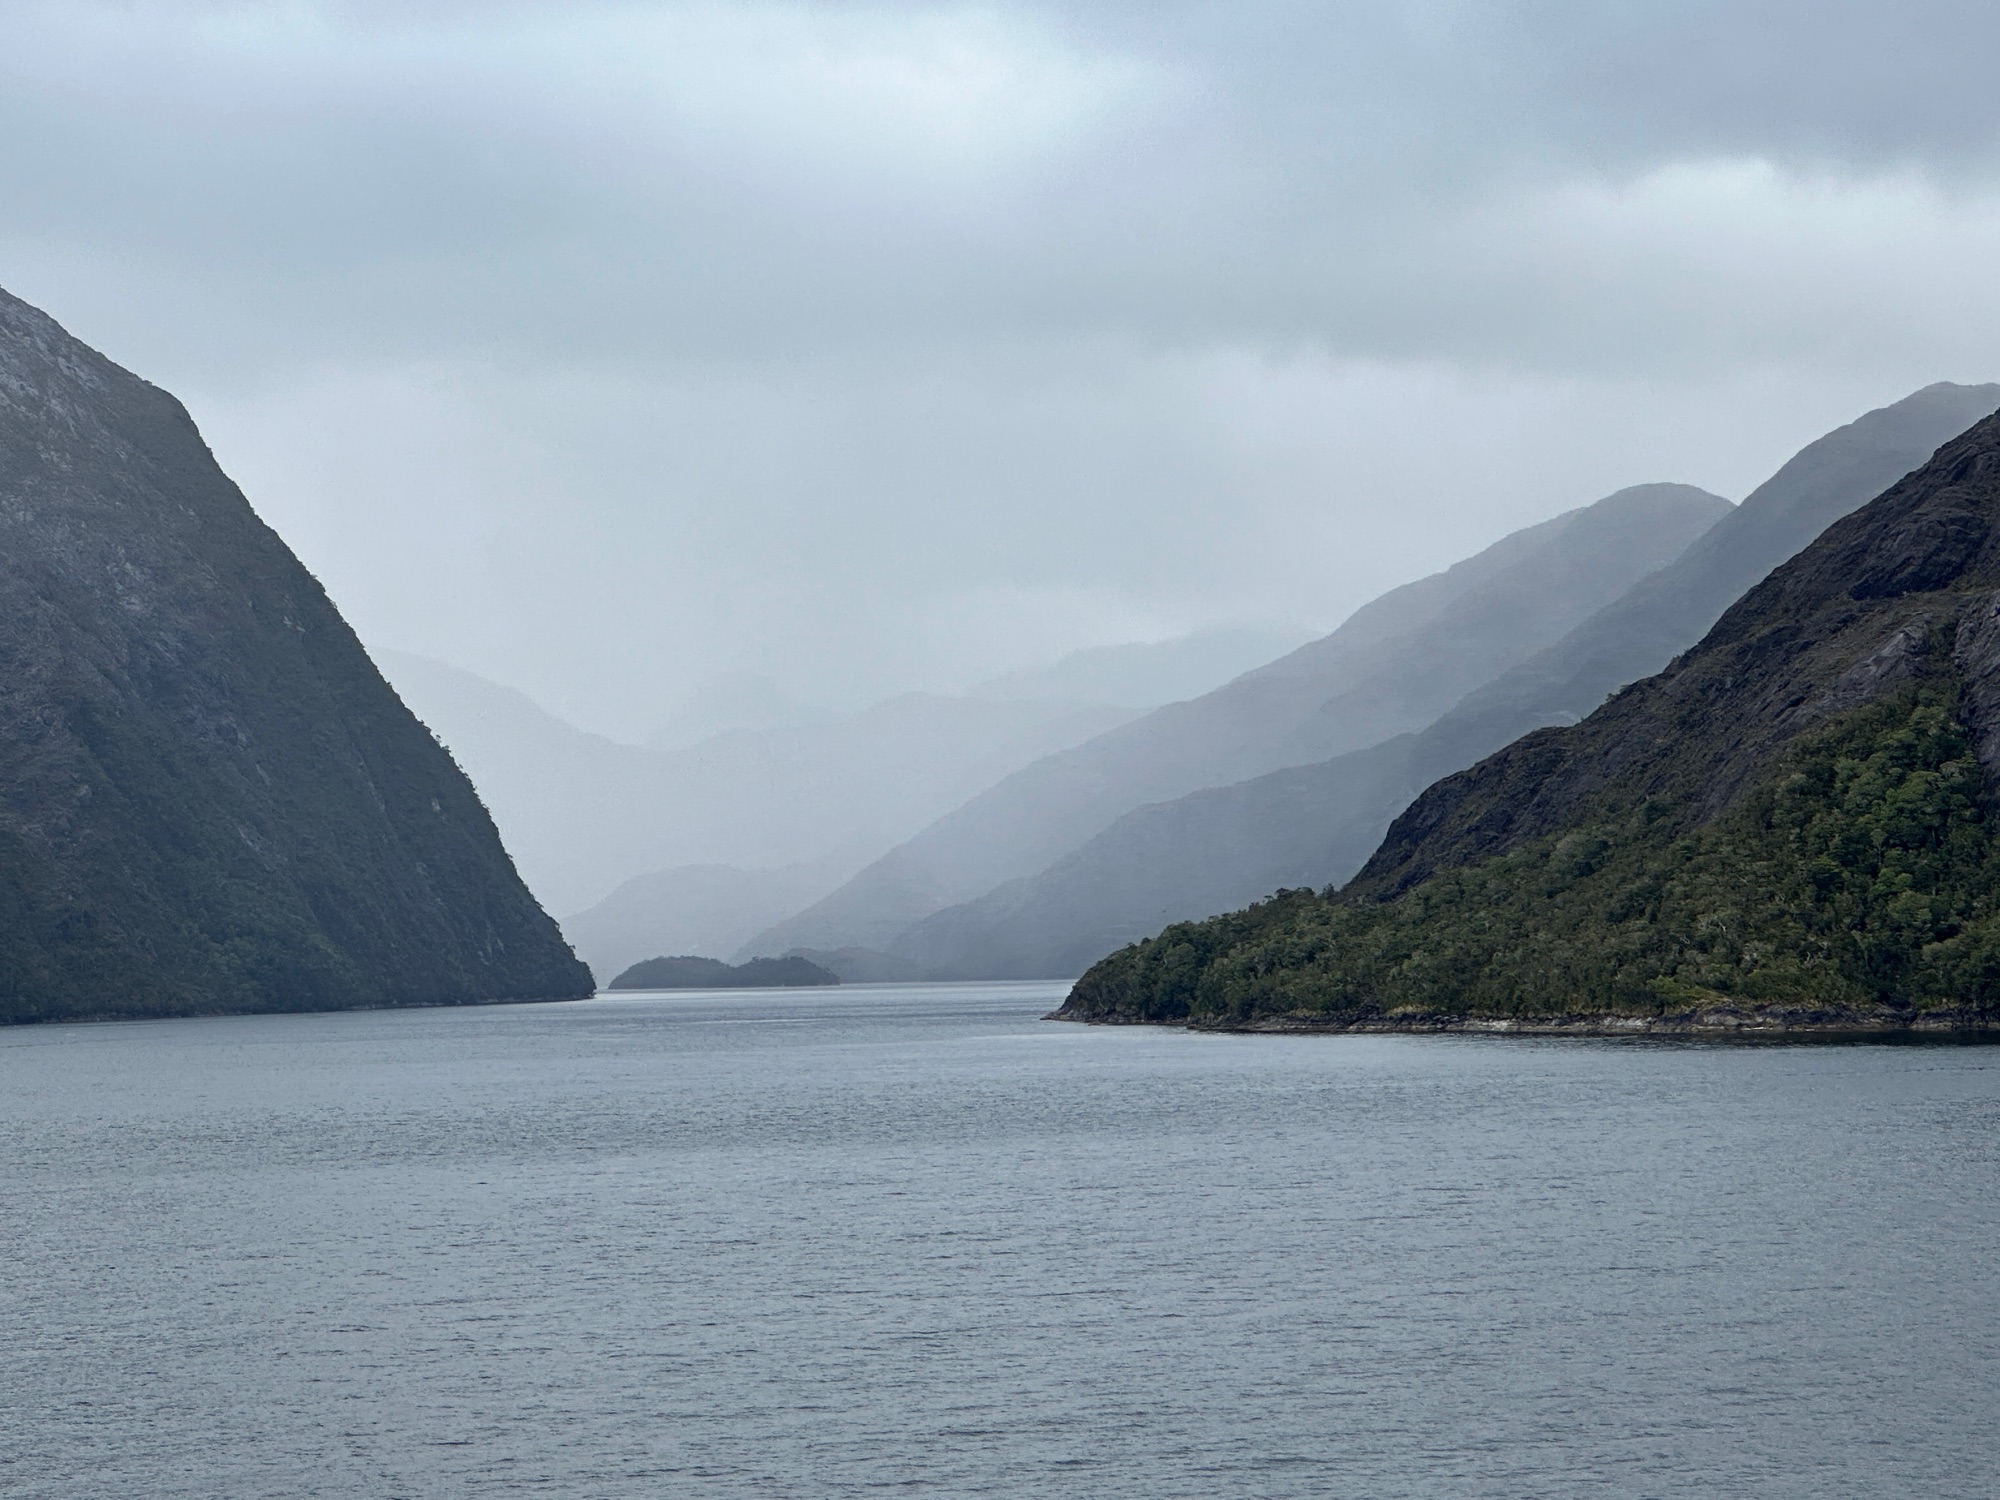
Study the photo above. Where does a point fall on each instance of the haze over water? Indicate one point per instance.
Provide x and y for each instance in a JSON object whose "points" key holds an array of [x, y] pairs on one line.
{"points": [[917, 1239]]}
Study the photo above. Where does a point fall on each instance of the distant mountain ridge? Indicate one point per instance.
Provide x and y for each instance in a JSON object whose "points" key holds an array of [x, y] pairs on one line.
{"points": [[1794, 826], [1220, 848], [694, 909], [210, 801], [583, 814], [729, 703], [688, 972], [1147, 674], [1393, 666]]}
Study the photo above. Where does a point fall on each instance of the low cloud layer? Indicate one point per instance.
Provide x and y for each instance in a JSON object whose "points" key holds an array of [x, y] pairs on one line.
{"points": [[606, 348]]}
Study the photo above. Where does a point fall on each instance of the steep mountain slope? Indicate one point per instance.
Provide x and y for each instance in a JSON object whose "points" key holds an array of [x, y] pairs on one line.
{"points": [[582, 814], [1665, 614], [1223, 848], [209, 800], [1394, 666], [1792, 825], [1212, 850]]}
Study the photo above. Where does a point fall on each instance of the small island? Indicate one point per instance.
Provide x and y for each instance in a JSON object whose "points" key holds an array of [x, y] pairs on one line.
{"points": [[688, 972]]}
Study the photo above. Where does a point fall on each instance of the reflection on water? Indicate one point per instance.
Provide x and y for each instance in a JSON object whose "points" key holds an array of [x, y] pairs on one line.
{"points": [[915, 1239]]}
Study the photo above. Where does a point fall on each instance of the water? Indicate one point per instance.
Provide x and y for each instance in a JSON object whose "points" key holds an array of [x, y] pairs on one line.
{"points": [[917, 1241]]}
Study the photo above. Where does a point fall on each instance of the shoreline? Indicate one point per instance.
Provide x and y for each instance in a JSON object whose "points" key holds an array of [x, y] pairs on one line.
{"points": [[1712, 1023]]}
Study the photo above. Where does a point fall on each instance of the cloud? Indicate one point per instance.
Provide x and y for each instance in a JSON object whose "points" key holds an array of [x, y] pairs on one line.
{"points": [[605, 347]]}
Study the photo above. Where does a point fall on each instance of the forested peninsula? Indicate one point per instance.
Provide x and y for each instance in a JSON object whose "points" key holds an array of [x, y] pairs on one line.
{"points": [[1792, 829]]}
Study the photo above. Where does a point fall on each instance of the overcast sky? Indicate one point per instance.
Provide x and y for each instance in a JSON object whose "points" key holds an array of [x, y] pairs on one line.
{"points": [[605, 348]]}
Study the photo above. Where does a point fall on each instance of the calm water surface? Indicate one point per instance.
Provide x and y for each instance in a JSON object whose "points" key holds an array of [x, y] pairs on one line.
{"points": [[915, 1240]]}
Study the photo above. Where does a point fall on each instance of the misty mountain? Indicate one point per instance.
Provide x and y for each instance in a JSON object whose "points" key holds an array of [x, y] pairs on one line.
{"points": [[1147, 674], [691, 972], [730, 702], [704, 909], [861, 965], [1222, 848], [1664, 615], [1169, 862], [583, 814], [210, 801], [1790, 826], [1134, 675], [1393, 666]]}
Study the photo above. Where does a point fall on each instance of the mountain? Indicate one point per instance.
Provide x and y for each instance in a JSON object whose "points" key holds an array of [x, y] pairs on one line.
{"points": [[1212, 850], [690, 973], [1221, 848], [210, 801], [1135, 676], [733, 701], [693, 909], [860, 965], [1146, 674], [1665, 614], [1793, 826], [583, 814], [1395, 665]]}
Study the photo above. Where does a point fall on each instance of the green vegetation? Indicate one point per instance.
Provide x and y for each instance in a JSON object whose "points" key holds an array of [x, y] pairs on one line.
{"points": [[1861, 872], [366, 878]]}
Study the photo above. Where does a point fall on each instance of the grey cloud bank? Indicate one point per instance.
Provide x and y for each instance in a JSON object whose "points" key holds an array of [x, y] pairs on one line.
{"points": [[603, 349]]}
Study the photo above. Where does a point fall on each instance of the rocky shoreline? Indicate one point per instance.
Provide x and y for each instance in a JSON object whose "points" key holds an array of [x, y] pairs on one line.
{"points": [[1767, 1022]]}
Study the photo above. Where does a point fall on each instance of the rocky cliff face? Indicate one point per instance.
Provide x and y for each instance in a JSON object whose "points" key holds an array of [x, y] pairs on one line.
{"points": [[209, 799], [1794, 823]]}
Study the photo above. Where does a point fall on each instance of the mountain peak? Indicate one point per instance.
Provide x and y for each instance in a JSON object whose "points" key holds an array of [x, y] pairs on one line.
{"points": [[1778, 660], [1793, 826]]}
